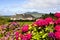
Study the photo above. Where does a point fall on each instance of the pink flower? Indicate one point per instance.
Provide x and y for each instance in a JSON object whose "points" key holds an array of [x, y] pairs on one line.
{"points": [[29, 36], [57, 21], [21, 35], [25, 28], [14, 23], [51, 35], [17, 35], [57, 14], [24, 38], [8, 33], [4, 26], [41, 22], [57, 27], [57, 35], [49, 20]]}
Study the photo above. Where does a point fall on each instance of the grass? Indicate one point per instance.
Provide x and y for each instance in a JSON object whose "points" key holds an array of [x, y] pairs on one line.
{"points": [[22, 23]]}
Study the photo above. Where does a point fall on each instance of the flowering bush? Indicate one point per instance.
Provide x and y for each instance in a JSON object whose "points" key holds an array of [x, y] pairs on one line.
{"points": [[57, 34], [49, 20], [41, 29], [57, 27], [24, 28], [57, 14], [57, 21], [41, 22]]}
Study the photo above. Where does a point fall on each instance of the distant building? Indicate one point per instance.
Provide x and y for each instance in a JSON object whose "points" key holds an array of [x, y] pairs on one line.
{"points": [[22, 17]]}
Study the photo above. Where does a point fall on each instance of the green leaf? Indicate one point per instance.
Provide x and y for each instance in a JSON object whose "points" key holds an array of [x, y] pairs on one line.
{"points": [[32, 39], [45, 35], [37, 36], [41, 33], [30, 27], [35, 29]]}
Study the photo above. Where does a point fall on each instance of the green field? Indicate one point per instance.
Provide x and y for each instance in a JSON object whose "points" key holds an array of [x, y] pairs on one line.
{"points": [[22, 23]]}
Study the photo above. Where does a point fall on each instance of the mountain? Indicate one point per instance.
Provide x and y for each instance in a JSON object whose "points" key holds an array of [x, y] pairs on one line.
{"points": [[35, 14]]}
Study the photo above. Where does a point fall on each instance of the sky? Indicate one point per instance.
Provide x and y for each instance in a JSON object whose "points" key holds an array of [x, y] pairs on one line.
{"points": [[11, 7]]}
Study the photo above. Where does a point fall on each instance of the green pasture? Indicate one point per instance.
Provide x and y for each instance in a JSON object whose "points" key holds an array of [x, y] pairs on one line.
{"points": [[22, 23]]}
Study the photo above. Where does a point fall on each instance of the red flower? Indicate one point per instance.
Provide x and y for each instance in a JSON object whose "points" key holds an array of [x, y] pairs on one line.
{"points": [[29, 36], [57, 35], [57, 14], [41, 22], [57, 21], [49, 20], [21, 35], [24, 38], [57, 27], [25, 28], [17, 35]]}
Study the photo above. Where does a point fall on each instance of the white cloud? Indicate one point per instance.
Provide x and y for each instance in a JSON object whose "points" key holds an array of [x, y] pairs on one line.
{"points": [[36, 4], [33, 5]]}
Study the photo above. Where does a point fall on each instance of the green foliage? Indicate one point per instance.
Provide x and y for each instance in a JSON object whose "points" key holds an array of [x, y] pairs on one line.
{"points": [[1, 35], [49, 28], [41, 33], [3, 20], [48, 15], [36, 36]]}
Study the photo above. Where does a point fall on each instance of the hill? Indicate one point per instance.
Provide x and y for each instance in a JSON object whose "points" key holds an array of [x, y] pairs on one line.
{"points": [[35, 14]]}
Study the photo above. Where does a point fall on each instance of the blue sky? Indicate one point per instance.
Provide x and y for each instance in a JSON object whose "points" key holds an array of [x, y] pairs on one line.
{"points": [[11, 7]]}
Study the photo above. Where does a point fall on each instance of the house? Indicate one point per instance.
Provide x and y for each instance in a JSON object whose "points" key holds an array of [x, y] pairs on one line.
{"points": [[22, 17]]}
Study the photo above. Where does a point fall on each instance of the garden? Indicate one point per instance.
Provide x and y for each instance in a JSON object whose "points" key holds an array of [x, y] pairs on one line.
{"points": [[47, 28]]}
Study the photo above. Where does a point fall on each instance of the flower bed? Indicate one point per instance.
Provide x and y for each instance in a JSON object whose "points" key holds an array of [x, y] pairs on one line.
{"points": [[41, 29]]}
